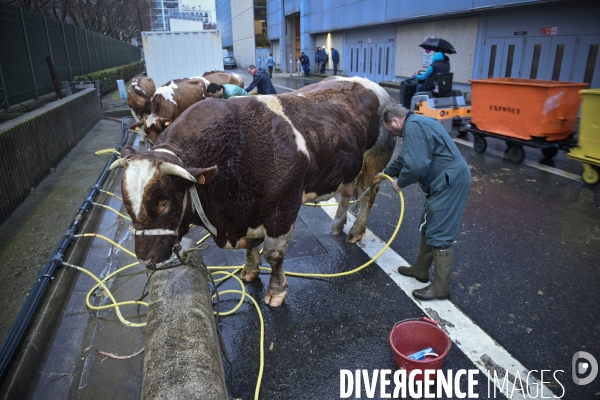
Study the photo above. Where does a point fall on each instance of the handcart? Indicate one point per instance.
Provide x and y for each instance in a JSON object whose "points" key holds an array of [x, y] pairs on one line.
{"points": [[539, 114], [515, 151]]}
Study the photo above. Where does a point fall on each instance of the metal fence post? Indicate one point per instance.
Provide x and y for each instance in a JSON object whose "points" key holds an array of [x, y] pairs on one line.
{"points": [[78, 51], [48, 37], [7, 105], [87, 45], [62, 24], [29, 53]]}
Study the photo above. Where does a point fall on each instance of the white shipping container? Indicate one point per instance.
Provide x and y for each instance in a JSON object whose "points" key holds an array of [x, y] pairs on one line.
{"points": [[176, 55]]}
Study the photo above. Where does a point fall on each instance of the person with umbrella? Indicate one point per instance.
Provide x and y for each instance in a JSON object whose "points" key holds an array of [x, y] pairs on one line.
{"points": [[439, 62]]}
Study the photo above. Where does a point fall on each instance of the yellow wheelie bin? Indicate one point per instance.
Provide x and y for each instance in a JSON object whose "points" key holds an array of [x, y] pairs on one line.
{"points": [[588, 144]]}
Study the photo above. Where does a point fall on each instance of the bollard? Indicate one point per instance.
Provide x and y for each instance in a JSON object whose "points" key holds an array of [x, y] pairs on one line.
{"points": [[183, 357]]}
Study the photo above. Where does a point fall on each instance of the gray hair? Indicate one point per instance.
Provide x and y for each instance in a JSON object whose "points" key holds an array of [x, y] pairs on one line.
{"points": [[393, 111]]}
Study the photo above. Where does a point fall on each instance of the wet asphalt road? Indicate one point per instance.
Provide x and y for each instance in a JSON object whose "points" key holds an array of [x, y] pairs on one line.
{"points": [[525, 272]]}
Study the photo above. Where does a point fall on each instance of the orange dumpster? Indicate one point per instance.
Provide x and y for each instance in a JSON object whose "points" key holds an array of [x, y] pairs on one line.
{"points": [[525, 108]]}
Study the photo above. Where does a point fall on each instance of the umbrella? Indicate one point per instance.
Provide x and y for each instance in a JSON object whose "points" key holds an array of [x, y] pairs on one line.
{"points": [[439, 45]]}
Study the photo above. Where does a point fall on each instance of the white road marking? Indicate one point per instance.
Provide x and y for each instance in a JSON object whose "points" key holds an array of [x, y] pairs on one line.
{"points": [[477, 345], [532, 164]]}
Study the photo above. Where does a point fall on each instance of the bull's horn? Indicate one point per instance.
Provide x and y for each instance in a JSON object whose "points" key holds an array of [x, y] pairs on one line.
{"points": [[172, 169], [119, 163]]}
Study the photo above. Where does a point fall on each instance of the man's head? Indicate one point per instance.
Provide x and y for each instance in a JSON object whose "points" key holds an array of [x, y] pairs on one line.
{"points": [[393, 119], [214, 90], [252, 69], [323, 47]]}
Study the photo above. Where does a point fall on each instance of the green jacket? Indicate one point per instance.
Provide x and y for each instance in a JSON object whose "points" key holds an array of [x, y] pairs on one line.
{"points": [[429, 156], [232, 91]]}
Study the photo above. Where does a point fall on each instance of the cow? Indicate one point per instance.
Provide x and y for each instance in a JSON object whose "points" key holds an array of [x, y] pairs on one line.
{"points": [[139, 94], [249, 163], [169, 101], [222, 78]]}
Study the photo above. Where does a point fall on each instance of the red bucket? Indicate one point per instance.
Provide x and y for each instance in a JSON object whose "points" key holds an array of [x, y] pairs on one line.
{"points": [[413, 335]]}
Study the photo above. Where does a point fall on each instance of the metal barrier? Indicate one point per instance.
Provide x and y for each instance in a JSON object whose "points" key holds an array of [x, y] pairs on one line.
{"points": [[35, 143]]}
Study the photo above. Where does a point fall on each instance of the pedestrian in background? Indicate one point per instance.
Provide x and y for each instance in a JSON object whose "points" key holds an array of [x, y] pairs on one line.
{"points": [[270, 64], [431, 158], [305, 62], [261, 81], [224, 91], [335, 57], [317, 60], [324, 59]]}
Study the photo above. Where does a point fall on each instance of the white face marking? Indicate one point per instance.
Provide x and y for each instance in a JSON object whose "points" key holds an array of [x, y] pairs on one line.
{"points": [[137, 175], [274, 105], [150, 120], [168, 91]]}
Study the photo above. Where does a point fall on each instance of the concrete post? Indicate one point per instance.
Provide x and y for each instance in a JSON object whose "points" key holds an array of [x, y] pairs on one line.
{"points": [[183, 357]]}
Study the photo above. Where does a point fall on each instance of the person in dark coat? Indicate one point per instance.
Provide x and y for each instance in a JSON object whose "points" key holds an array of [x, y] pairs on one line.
{"points": [[335, 57], [305, 62], [261, 81], [430, 157], [317, 60], [438, 65], [324, 59]]}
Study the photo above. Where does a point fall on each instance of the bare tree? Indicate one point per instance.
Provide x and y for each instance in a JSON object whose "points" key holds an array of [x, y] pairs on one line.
{"points": [[119, 19]]}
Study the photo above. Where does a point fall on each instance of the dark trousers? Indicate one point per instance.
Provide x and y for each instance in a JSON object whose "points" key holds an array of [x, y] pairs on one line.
{"points": [[323, 63], [335, 63], [270, 71]]}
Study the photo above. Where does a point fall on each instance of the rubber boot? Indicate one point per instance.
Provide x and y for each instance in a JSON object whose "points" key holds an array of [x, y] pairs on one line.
{"points": [[420, 269], [443, 264]]}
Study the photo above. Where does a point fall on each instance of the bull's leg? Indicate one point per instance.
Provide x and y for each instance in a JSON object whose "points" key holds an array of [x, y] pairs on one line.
{"points": [[252, 265], [360, 224], [337, 226], [274, 252], [373, 163]]}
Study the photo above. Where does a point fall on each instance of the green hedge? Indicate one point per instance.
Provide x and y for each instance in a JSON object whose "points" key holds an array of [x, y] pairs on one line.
{"points": [[108, 77]]}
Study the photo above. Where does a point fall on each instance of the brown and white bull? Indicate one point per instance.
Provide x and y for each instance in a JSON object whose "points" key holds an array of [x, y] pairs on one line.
{"points": [[169, 101], [139, 94], [249, 163]]}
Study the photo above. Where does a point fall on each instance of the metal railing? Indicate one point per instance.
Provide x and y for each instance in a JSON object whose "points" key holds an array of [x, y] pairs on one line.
{"points": [[27, 38]]}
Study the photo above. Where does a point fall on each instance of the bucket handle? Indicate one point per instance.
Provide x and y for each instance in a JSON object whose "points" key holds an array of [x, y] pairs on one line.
{"points": [[424, 319]]}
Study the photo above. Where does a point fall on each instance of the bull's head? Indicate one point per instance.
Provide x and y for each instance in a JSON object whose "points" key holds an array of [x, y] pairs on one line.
{"points": [[154, 125], [153, 192]]}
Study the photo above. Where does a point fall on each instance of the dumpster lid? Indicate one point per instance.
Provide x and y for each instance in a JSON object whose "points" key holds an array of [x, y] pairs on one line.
{"points": [[528, 82], [590, 91]]}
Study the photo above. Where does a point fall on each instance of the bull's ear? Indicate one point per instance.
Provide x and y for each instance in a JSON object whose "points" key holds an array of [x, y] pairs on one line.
{"points": [[128, 151], [167, 121], [203, 175], [137, 126]]}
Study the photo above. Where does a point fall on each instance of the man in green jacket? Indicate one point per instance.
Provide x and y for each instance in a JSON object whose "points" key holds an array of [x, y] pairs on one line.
{"points": [[224, 91], [430, 157]]}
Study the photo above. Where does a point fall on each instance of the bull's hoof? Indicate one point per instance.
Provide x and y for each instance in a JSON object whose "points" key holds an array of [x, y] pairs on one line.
{"points": [[336, 231], [275, 299], [353, 238], [248, 275]]}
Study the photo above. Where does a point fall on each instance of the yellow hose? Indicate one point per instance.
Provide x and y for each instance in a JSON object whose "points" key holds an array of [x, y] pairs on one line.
{"points": [[219, 270]]}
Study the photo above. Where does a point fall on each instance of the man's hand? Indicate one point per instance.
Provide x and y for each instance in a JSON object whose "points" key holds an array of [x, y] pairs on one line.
{"points": [[395, 185], [378, 177]]}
